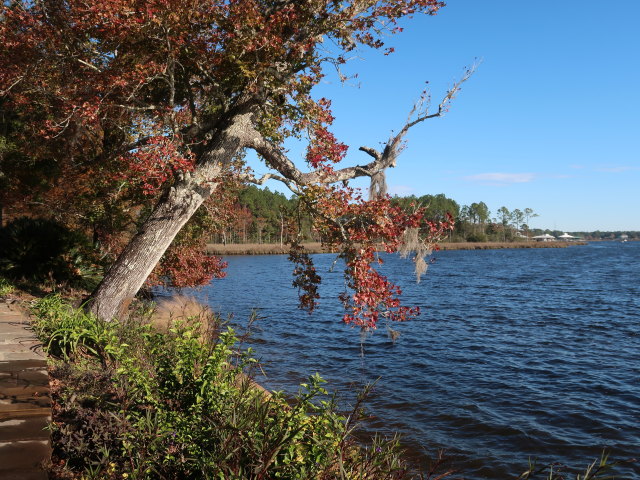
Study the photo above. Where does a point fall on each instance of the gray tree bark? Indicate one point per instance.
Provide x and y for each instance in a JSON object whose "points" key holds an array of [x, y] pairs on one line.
{"points": [[131, 269], [129, 272]]}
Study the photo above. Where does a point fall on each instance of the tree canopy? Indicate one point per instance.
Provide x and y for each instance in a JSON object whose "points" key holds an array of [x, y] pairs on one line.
{"points": [[134, 115]]}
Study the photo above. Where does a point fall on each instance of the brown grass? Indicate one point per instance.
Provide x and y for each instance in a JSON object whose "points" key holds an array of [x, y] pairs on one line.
{"points": [[179, 308], [499, 245], [316, 247]]}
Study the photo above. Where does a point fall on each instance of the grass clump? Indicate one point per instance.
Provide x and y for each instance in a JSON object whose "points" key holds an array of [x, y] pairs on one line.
{"points": [[6, 287], [601, 469], [132, 402]]}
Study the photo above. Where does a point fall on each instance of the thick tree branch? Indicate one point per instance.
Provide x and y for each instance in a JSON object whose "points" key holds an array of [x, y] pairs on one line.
{"points": [[251, 178], [371, 151], [274, 157], [278, 160]]}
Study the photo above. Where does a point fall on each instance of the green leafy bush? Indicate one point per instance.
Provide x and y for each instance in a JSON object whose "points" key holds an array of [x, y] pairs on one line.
{"points": [[133, 402], [67, 331], [477, 237], [6, 287], [39, 250]]}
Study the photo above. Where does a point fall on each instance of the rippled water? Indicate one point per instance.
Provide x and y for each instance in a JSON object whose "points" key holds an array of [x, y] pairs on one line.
{"points": [[517, 354]]}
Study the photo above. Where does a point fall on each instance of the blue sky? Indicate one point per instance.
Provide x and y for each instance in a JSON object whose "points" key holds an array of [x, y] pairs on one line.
{"points": [[549, 121]]}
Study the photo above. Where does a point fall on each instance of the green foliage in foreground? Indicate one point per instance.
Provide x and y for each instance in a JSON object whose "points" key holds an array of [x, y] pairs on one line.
{"points": [[135, 403], [6, 287]]}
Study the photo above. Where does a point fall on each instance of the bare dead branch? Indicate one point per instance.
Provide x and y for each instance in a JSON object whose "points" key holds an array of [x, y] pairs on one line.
{"points": [[148, 108], [422, 105], [250, 178], [87, 64], [18, 80], [277, 159], [420, 111]]}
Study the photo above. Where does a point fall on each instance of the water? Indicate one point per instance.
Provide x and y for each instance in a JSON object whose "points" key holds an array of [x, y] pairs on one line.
{"points": [[518, 354]]}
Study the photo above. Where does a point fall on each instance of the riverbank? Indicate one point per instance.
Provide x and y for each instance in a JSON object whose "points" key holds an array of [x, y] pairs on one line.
{"points": [[316, 247]]}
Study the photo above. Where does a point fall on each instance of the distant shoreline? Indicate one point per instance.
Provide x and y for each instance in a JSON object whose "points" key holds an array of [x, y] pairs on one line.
{"points": [[316, 247]]}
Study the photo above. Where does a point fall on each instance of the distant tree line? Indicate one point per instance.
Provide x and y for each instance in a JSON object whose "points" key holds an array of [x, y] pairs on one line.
{"points": [[260, 216], [474, 222]]}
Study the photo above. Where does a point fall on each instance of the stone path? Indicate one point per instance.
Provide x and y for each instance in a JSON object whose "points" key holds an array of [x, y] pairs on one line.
{"points": [[25, 406]]}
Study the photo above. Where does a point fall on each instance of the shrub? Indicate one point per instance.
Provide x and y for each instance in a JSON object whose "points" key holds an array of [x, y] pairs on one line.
{"points": [[477, 237], [6, 287], [146, 404], [39, 250], [68, 332]]}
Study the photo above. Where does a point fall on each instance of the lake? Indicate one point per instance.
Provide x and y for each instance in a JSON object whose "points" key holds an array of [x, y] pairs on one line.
{"points": [[518, 354]]}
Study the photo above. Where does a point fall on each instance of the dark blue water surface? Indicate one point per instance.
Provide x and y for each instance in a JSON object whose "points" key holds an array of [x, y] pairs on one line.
{"points": [[518, 354]]}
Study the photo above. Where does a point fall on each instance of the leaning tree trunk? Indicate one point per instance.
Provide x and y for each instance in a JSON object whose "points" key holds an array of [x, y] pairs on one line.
{"points": [[130, 270], [144, 251]]}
